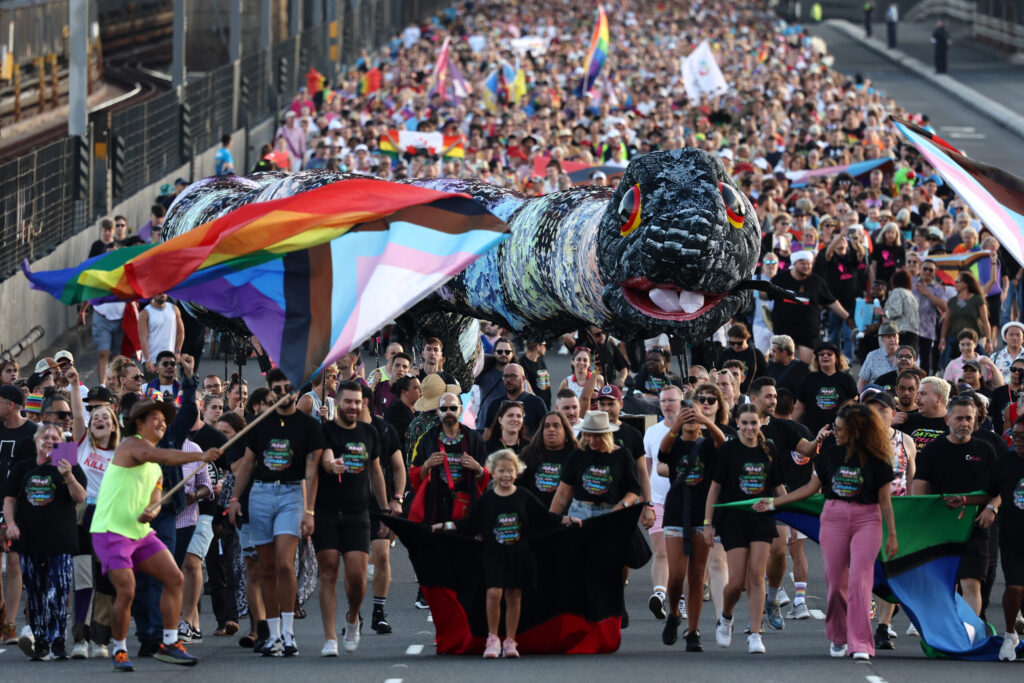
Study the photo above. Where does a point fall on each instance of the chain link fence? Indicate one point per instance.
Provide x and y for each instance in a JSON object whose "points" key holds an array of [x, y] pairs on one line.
{"points": [[39, 192]]}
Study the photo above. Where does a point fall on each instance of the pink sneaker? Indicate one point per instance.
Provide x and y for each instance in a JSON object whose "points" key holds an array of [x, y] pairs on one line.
{"points": [[510, 648], [492, 650]]}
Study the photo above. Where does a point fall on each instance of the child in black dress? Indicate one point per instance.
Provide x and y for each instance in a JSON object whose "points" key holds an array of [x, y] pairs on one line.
{"points": [[505, 516]]}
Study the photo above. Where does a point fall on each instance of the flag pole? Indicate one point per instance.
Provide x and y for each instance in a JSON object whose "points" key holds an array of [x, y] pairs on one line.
{"points": [[231, 442]]}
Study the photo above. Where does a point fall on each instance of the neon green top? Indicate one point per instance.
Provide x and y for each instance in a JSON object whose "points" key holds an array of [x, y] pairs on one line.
{"points": [[124, 493]]}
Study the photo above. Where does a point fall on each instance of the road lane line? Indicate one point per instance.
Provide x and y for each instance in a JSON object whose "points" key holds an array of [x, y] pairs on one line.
{"points": [[414, 649], [392, 680], [875, 679]]}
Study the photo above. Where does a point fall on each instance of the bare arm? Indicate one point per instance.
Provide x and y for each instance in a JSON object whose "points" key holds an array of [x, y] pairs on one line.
{"points": [[77, 407], [242, 469], [10, 505], [588, 391], [885, 502], [805, 491], [798, 410], [179, 331], [910, 448], [380, 491], [921, 488], [398, 472], [560, 502], [144, 335]]}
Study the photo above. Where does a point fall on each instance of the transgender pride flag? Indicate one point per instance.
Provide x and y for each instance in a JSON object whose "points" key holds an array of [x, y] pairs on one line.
{"points": [[997, 197]]}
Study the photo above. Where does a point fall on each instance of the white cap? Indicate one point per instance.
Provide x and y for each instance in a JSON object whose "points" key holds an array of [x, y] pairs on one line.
{"points": [[803, 255], [362, 148], [64, 355], [726, 154]]}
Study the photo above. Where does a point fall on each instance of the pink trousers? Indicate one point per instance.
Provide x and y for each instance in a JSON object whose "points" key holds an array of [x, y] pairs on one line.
{"points": [[850, 538]]}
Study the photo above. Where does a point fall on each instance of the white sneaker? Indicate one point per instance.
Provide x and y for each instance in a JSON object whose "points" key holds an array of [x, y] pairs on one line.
{"points": [[350, 637], [754, 644], [912, 631], [798, 612], [369, 572], [682, 609], [861, 657], [723, 632], [783, 598], [1008, 650], [892, 631], [27, 641], [97, 651], [80, 650], [836, 651], [330, 648]]}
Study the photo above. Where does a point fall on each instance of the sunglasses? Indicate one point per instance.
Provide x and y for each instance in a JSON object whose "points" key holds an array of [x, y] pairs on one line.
{"points": [[770, 261], [927, 270], [1016, 371], [61, 414], [707, 400], [734, 342], [503, 352], [168, 363], [135, 377], [904, 357], [448, 409], [91, 408], [693, 380], [286, 389]]}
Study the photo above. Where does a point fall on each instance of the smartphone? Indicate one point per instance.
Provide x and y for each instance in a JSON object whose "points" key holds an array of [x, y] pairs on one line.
{"points": [[64, 451]]}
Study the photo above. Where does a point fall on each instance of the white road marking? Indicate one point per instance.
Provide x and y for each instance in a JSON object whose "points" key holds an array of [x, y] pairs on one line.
{"points": [[3, 651], [392, 680], [414, 649], [875, 679], [961, 132], [817, 614], [430, 618]]}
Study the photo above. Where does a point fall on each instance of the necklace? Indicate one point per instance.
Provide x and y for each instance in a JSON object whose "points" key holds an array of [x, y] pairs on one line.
{"points": [[450, 440]]}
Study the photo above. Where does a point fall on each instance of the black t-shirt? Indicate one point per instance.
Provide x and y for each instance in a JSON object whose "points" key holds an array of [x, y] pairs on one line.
{"points": [[496, 444], [845, 277], [887, 259], [955, 467], [653, 384], [822, 395], [45, 511], [690, 464], [923, 430], [597, 477], [358, 448], [507, 520], [751, 357], [1001, 397], [399, 416], [281, 444], [9, 439], [543, 472], [746, 472], [788, 316], [785, 435], [389, 443], [631, 439], [539, 377], [207, 437], [1006, 477], [534, 410], [846, 479]]}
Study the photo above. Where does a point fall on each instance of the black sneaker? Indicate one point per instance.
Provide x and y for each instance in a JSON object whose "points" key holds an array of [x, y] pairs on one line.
{"points": [[421, 600], [670, 634], [40, 652], [379, 621], [693, 642], [148, 648], [625, 618], [271, 648], [290, 649], [882, 639], [58, 650], [262, 636]]}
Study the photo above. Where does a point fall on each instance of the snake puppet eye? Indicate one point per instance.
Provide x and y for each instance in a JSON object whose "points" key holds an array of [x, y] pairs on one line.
{"points": [[735, 209], [629, 211]]}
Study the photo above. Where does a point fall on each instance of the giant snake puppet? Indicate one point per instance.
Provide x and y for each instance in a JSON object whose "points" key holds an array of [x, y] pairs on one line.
{"points": [[668, 250]]}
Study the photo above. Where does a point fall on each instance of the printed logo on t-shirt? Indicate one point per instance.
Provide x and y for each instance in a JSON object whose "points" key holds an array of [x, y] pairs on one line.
{"points": [[694, 475], [846, 482], [507, 528], [597, 480], [455, 467], [543, 379], [753, 478], [827, 398], [654, 385], [924, 436], [547, 477], [355, 457], [277, 455], [40, 489], [1018, 495], [799, 458]]}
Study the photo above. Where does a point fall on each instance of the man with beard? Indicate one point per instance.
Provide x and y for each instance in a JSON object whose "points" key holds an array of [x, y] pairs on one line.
{"points": [[1005, 407], [568, 405], [801, 320], [906, 395], [350, 469], [165, 383], [655, 375], [955, 463], [786, 369], [400, 413], [929, 422], [491, 378], [533, 408]]}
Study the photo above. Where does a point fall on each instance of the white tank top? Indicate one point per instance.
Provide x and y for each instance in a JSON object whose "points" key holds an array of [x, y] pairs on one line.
{"points": [[94, 463], [162, 324]]}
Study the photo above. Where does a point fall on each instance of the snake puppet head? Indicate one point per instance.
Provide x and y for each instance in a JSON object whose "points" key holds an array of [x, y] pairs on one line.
{"points": [[675, 244]]}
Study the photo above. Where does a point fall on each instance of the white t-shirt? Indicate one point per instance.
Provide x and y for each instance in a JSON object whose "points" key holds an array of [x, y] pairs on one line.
{"points": [[652, 444], [94, 463]]}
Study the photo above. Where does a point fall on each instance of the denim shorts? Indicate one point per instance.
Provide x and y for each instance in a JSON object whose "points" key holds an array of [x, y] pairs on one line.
{"points": [[275, 509], [581, 511], [106, 334], [202, 536], [245, 541]]}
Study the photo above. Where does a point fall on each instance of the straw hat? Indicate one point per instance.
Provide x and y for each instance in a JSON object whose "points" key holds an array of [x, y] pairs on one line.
{"points": [[596, 422], [433, 388], [146, 406]]}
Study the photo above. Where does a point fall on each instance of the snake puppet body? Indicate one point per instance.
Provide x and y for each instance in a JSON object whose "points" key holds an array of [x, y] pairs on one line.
{"points": [[668, 250]]}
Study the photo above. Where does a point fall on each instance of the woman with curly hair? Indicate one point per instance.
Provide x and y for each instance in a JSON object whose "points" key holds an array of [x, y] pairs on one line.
{"points": [[855, 476]]}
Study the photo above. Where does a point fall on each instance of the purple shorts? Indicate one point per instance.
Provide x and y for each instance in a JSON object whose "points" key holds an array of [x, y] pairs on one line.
{"points": [[120, 552]]}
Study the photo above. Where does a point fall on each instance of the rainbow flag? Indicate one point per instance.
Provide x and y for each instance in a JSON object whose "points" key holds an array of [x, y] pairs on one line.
{"points": [[369, 82], [448, 80], [394, 143], [996, 196], [312, 275], [977, 263], [315, 81], [598, 52], [34, 404]]}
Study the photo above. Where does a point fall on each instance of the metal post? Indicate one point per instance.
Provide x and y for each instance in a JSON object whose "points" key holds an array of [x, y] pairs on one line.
{"points": [[235, 29], [40, 63], [55, 80], [266, 27], [178, 45], [295, 17]]}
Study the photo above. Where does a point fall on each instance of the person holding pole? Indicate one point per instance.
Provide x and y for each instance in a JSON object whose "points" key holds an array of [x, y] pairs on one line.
{"points": [[280, 455], [129, 498]]}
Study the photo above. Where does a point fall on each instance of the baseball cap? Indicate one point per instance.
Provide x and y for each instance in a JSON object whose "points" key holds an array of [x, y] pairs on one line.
{"points": [[100, 393], [887, 328], [878, 396], [362, 148], [12, 394], [803, 255], [610, 391], [935, 234], [726, 154], [973, 364], [45, 365], [64, 355], [826, 346]]}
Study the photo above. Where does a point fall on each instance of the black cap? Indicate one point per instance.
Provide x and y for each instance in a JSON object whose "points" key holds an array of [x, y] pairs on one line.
{"points": [[826, 346], [12, 394], [876, 396], [100, 393]]}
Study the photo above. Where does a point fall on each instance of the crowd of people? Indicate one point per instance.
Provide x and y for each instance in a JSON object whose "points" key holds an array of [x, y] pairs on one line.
{"points": [[768, 410]]}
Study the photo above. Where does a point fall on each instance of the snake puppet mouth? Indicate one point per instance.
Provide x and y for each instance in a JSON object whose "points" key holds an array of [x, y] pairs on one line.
{"points": [[665, 301]]}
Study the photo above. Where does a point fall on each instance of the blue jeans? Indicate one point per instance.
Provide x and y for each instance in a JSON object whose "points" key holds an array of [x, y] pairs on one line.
{"points": [[149, 623], [840, 334], [1013, 295]]}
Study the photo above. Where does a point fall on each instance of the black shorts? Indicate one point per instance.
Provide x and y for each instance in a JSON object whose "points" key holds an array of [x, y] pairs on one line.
{"points": [[1011, 555], [808, 338], [974, 559], [738, 529], [342, 531]]}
